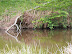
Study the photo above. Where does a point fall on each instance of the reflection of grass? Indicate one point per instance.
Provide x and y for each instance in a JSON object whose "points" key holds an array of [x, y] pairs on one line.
{"points": [[25, 49], [4, 41], [42, 39], [1, 43], [50, 41]]}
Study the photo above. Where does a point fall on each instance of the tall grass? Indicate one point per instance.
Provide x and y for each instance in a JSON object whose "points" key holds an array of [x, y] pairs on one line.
{"points": [[25, 49]]}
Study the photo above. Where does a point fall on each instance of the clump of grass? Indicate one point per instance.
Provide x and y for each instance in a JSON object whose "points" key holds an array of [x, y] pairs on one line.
{"points": [[25, 49]]}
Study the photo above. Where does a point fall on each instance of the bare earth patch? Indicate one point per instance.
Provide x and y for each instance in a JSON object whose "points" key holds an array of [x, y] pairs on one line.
{"points": [[5, 24]]}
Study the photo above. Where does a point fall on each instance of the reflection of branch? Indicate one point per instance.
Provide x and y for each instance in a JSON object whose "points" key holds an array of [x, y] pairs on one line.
{"points": [[14, 36]]}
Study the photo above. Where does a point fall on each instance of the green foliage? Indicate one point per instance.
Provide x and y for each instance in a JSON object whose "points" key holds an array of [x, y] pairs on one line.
{"points": [[21, 18], [56, 5], [54, 19], [63, 7]]}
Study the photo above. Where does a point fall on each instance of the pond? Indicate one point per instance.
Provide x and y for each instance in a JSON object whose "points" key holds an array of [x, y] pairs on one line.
{"points": [[44, 38]]}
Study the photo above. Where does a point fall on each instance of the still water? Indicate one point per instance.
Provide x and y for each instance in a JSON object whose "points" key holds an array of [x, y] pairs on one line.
{"points": [[44, 38]]}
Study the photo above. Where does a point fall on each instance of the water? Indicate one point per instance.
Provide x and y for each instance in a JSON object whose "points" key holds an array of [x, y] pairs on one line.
{"points": [[44, 38]]}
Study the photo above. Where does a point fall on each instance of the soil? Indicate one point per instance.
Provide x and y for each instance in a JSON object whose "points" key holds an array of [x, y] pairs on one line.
{"points": [[5, 25]]}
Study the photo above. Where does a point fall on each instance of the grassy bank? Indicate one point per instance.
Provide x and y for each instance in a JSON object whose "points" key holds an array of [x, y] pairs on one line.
{"points": [[12, 7], [25, 49], [52, 15]]}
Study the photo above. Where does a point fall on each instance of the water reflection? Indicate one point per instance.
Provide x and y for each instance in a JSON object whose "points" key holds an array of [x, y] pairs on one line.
{"points": [[15, 37], [46, 37], [41, 37]]}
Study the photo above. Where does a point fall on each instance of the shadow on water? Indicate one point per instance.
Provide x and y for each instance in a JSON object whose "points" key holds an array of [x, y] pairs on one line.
{"points": [[45, 38]]}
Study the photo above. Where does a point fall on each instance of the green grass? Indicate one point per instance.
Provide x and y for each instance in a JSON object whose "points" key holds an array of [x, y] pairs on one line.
{"points": [[12, 7], [15, 5]]}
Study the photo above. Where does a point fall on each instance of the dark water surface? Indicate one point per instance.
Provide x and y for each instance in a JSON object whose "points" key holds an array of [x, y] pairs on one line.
{"points": [[45, 38]]}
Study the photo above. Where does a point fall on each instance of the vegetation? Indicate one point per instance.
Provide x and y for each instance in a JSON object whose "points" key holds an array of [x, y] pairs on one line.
{"points": [[36, 50], [12, 7], [60, 15]]}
